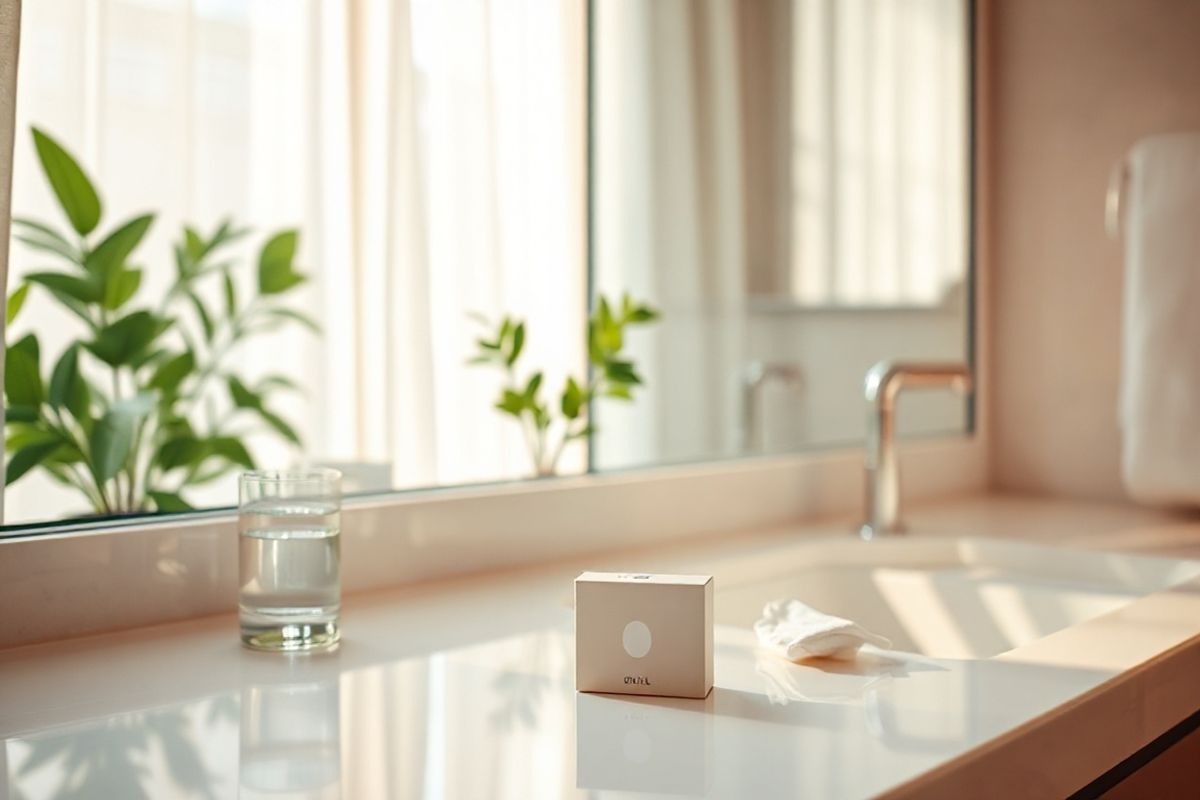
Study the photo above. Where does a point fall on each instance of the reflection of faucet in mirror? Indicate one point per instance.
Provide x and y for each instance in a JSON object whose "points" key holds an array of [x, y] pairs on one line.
{"points": [[883, 384], [754, 377]]}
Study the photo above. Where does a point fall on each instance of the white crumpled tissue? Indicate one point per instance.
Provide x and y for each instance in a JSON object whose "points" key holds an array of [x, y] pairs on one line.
{"points": [[797, 631]]}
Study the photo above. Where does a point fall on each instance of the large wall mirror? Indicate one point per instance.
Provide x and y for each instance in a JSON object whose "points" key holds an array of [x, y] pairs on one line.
{"points": [[438, 243], [789, 181]]}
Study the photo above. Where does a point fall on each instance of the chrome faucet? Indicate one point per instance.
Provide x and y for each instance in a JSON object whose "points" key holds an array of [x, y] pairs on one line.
{"points": [[883, 384]]}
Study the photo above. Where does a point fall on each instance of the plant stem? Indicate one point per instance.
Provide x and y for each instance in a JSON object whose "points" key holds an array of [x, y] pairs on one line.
{"points": [[216, 355], [71, 474], [552, 467], [63, 429], [528, 426], [131, 468]]}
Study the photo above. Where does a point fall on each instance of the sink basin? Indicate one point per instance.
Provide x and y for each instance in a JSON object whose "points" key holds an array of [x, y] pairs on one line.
{"points": [[968, 598]]}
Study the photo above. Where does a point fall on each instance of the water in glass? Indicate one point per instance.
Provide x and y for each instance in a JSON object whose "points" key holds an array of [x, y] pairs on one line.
{"points": [[290, 573]]}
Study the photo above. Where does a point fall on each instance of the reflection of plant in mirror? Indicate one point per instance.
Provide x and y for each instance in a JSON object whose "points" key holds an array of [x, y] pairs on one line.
{"points": [[612, 375], [129, 415]]}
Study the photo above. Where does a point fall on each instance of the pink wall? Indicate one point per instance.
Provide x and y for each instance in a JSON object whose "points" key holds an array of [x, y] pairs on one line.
{"points": [[1069, 85]]}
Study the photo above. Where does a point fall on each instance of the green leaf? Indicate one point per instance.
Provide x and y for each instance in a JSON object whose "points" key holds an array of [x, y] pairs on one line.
{"points": [[621, 372], [22, 373], [572, 399], [170, 373], [612, 338], [642, 314], [281, 427], [231, 450], [21, 436], [58, 473], [123, 341], [168, 502], [518, 343], [627, 305], [181, 451], [182, 265], [16, 413], [120, 287], [295, 316], [225, 234], [619, 392], [71, 186], [604, 312], [76, 307], [27, 458], [69, 389], [212, 473], [112, 437], [15, 301], [582, 433], [512, 403], [193, 244], [230, 294], [64, 285], [595, 353], [109, 256], [241, 396], [149, 357], [277, 382], [531, 388], [206, 323], [67, 453], [275, 271], [42, 237]]}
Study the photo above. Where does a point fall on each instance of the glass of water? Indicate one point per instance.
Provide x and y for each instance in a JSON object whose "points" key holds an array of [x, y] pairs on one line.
{"points": [[289, 559]]}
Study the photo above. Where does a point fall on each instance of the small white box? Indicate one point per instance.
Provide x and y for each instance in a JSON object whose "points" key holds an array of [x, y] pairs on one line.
{"points": [[640, 633]]}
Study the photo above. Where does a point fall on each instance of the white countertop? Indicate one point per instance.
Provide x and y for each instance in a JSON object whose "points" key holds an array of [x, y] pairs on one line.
{"points": [[464, 688]]}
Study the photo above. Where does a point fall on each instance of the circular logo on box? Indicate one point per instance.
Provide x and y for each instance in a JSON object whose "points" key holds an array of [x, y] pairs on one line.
{"points": [[636, 639]]}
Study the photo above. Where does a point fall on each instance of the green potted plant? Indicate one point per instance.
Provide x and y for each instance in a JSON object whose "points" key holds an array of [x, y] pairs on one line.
{"points": [[613, 375], [126, 414]]}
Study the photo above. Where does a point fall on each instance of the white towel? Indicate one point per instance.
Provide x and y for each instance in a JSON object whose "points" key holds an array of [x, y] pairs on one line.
{"points": [[1160, 381], [797, 631]]}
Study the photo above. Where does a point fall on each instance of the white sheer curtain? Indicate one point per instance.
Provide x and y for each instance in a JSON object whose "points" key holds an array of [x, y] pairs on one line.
{"points": [[430, 151], [669, 220], [670, 195], [467, 194], [878, 99]]}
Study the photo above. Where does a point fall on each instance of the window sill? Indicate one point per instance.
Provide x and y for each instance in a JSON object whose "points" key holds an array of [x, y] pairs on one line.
{"points": [[146, 572]]}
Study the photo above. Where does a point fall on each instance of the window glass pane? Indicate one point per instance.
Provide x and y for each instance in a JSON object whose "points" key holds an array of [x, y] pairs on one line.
{"points": [[430, 157]]}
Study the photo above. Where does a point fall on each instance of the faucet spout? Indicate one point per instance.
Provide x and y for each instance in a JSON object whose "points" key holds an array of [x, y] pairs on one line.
{"points": [[882, 387]]}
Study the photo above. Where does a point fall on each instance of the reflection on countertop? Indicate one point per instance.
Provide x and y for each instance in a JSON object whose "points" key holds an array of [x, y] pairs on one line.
{"points": [[502, 719], [466, 689]]}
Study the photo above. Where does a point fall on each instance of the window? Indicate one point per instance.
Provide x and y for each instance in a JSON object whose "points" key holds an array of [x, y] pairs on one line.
{"points": [[724, 177], [430, 155]]}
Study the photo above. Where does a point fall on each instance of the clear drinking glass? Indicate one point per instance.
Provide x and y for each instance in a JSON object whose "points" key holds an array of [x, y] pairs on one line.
{"points": [[289, 557]]}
